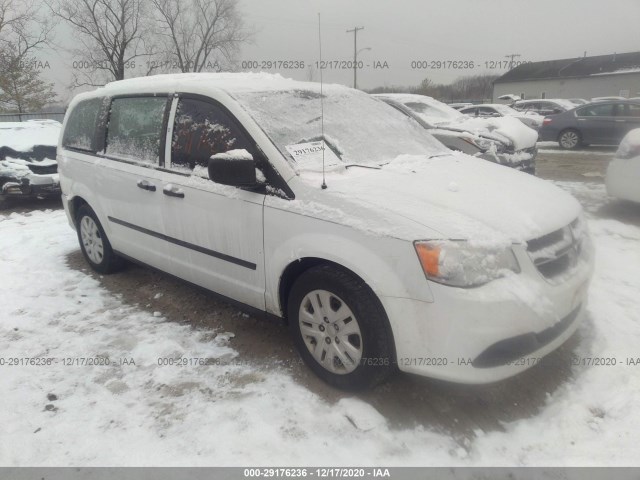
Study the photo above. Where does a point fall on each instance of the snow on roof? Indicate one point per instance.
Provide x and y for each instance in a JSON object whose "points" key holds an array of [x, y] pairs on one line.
{"points": [[229, 82], [617, 63], [23, 136], [568, 104]]}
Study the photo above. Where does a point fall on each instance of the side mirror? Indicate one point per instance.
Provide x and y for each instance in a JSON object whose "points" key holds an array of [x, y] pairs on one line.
{"points": [[235, 167]]}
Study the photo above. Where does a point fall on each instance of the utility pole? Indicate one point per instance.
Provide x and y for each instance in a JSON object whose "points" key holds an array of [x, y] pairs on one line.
{"points": [[355, 54], [512, 56]]}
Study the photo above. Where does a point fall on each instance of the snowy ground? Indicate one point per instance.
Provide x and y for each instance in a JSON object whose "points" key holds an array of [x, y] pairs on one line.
{"points": [[234, 413]]}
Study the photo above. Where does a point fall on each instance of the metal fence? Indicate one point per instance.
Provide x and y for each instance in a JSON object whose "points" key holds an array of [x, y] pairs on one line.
{"points": [[21, 117]]}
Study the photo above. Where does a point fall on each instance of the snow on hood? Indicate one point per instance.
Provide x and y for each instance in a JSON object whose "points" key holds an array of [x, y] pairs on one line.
{"points": [[457, 196], [508, 128], [23, 136]]}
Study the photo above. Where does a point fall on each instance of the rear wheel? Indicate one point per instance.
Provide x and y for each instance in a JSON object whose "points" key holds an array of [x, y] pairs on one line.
{"points": [[340, 328], [569, 139], [94, 243]]}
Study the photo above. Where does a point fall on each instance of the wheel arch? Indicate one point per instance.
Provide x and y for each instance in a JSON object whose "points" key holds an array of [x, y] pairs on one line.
{"points": [[297, 267], [74, 205]]}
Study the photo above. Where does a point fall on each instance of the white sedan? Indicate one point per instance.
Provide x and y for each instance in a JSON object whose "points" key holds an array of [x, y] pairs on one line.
{"points": [[530, 119], [623, 173]]}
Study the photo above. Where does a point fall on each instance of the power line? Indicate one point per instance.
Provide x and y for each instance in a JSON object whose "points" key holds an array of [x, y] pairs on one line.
{"points": [[511, 57]]}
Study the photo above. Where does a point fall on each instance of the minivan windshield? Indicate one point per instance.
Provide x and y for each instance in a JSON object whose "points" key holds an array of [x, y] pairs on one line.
{"points": [[358, 128]]}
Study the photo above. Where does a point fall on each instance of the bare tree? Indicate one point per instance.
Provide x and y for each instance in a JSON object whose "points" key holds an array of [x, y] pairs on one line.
{"points": [[22, 28], [200, 34], [21, 89], [111, 34]]}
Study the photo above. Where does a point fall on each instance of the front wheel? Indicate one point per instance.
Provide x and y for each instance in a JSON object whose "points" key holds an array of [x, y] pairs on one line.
{"points": [[340, 328], [569, 139], [94, 243]]}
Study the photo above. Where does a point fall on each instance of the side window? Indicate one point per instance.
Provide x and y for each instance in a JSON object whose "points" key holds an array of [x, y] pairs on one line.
{"points": [[605, 110], [80, 130], [486, 112], [135, 128], [201, 130], [633, 110]]}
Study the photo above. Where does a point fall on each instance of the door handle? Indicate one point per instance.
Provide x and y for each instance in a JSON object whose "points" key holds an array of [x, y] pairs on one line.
{"points": [[173, 191], [620, 121], [146, 185]]}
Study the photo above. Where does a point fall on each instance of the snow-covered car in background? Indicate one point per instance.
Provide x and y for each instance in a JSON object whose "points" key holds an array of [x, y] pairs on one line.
{"points": [[578, 101], [623, 173], [458, 106], [544, 107], [506, 141], [27, 158], [530, 119], [380, 247]]}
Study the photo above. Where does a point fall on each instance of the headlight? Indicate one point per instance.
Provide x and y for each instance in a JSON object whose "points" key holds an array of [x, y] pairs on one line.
{"points": [[580, 233], [486, 145], [458, 264]]}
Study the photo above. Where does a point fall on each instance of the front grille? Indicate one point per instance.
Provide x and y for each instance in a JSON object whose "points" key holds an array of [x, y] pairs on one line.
{"points": [[555, 253]]}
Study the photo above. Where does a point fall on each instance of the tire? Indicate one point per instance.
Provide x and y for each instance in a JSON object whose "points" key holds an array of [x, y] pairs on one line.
{"points": [[569, 139], [345, 340], [94, 243]]}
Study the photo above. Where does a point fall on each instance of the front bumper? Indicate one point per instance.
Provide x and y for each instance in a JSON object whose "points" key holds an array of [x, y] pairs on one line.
{"points": [[489, 333], [523, 160], [31, 185]]}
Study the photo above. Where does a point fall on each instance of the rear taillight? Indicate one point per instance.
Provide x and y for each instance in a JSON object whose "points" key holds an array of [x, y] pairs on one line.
{"points": [[547, 120]]}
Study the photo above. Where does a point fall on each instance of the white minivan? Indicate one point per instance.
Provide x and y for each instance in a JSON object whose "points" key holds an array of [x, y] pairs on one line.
{"points": [[324, 207]]}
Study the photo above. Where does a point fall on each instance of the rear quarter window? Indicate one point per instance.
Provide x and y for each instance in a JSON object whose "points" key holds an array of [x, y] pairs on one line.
{"points": [[80, 130]]}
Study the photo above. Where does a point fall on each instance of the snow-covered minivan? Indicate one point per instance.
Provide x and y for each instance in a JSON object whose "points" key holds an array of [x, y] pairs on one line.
{"points": [[322, 206]]}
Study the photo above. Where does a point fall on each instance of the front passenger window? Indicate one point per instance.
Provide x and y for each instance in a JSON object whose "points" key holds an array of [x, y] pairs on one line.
{"points": [[201, 130]]}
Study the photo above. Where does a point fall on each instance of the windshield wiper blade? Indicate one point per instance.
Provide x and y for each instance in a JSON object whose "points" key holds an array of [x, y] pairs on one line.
{"points": [[362, 166]]}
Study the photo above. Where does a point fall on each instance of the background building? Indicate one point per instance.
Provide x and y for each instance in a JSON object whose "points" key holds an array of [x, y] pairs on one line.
{"points": [[583, 77]]}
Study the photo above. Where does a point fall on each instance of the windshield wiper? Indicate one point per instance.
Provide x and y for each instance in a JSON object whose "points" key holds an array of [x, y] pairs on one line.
{"points": [[363, 166]]}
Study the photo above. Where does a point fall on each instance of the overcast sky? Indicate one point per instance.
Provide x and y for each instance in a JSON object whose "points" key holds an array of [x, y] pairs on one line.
{"points": [[401, 31]]}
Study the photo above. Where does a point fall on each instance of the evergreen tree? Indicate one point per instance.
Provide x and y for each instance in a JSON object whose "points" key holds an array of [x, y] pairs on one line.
{"points": [[21, 88]]}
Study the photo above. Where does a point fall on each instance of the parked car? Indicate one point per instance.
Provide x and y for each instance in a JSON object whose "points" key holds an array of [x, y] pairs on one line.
{"points": [[623, 172], [510, 97], [458, 106], [578, 101], [378, 246], [604, 99], [530, 119], [601, 123], [544, 107], [501, 140], [27, 158]]}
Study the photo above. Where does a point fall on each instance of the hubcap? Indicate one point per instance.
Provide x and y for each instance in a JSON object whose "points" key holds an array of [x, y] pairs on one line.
{"points": [[569, 139], [330, 331], [91, 240]]}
